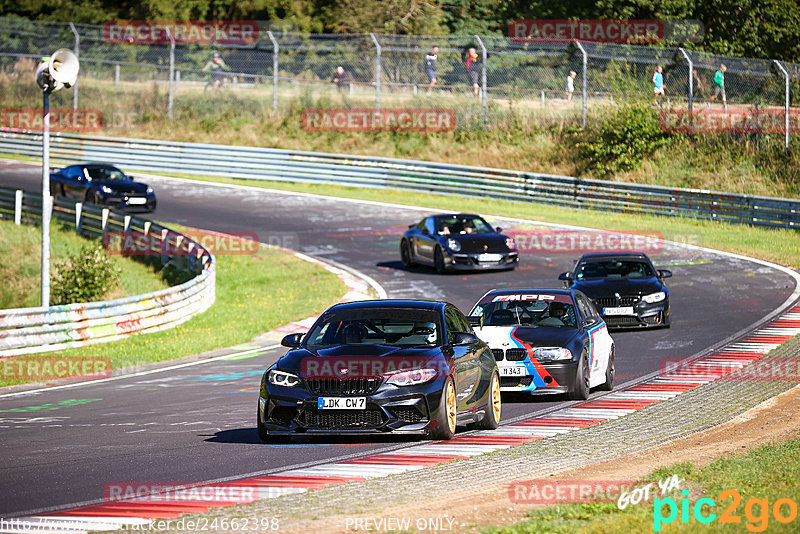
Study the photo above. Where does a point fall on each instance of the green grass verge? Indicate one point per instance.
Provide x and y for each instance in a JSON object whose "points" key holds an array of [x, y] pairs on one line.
{"points": [[777, 245], [769, 472], [255, 294], [20, 270]]}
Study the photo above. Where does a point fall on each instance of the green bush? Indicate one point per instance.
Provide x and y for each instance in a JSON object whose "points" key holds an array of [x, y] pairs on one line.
{"points": [[85, 276], [621, 141]]}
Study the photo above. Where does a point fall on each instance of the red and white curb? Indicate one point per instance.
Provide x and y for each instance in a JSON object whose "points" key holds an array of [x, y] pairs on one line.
{"points": [[718, 364]]}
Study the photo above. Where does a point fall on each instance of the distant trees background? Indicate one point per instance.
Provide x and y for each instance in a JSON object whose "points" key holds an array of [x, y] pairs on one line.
{"points": [[751, 28]]}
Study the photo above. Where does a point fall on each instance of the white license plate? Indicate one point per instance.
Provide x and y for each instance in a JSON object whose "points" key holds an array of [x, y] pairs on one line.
{"points": [[137, 200], [512, 371], [625, 310], [342, 403], [490, 257]]}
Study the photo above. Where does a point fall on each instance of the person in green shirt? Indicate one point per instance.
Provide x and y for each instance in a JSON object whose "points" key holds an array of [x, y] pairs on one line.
{"points": [[216, 65], [719, 84]]}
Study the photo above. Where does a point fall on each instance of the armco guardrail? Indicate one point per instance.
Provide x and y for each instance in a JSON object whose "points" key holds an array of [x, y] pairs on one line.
{"points": [[373, 172], [34, 330]]}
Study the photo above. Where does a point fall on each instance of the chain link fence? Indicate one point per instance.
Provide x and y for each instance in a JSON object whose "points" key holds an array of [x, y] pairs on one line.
{"points": [[282, 71]]}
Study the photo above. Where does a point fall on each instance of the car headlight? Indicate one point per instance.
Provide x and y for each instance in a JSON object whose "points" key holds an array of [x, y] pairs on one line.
{"points": [[281, 378], [511, 244], [149, 189], [107, 189], [652, 298], [412, 378], [453, 245], [552, 353]]}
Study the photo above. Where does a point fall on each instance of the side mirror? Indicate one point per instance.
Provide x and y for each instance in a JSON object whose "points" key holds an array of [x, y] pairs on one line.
{"points": [[587, 322], [292, 340], [130, 177], [464, 338], [411, 225], [498, 230], [475, 320], [664, 273], [566, 277]]}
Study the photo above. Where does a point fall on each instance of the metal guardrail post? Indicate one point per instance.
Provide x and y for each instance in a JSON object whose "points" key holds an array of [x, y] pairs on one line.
{"points": [[274, 71], [690, 86], [78, 216], [583, 78], [377, 71], [77, 55], [171, 70], [783, 71], [116, 74], [483, 76], [18, 207]]}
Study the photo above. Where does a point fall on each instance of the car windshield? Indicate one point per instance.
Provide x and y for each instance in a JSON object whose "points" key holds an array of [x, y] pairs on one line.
{"points": [[462, 224], [105, 173], [594, 270], [556, 313], [401, 327]]}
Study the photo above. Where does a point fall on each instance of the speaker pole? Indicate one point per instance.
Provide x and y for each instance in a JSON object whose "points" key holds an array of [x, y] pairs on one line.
{"points": [[46, 200]]}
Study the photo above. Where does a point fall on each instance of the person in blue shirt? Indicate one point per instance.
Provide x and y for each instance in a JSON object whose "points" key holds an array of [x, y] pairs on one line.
{"points": [[658, 84]]}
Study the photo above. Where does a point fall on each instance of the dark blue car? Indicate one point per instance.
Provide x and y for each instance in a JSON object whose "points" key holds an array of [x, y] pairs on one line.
{"points": [[459, 241], [625, 287], [408, 367], [104, 185]]}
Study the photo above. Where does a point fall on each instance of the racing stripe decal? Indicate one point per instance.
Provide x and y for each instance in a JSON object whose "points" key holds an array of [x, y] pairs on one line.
{"points": [[540, 374]]}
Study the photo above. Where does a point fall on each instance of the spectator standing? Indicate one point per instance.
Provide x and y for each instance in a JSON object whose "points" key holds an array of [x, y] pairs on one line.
{"points": [[570, 84], [430, 67], [658, 84], [473, 70], [341, 78], [719, 85], [216, 65]]}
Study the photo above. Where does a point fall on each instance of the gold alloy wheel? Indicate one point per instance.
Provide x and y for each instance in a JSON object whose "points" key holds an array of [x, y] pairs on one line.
{"points": [[450, 396], [496, 402]]}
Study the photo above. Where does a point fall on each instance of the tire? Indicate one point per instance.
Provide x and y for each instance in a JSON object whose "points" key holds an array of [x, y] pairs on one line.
{"points": [[445, 427], [405, 254], [91, 197], [266, 437], [438, 261], [580, 389], [491, 419], [611, 373]]}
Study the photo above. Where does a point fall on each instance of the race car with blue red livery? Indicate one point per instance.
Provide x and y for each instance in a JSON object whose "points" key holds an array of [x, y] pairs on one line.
{"points": [[546, 341]]}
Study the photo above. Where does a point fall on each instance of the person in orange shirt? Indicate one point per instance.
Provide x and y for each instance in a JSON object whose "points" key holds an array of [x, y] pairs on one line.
{"points": [[473, 70]]}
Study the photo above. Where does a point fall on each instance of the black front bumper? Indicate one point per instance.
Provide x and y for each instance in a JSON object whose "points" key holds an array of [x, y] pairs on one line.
{"points": [[457, 261], [406, 410], [645, 316]]}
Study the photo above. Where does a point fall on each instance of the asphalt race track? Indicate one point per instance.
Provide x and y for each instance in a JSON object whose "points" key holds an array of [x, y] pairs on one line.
{"points": [[198, 423]]}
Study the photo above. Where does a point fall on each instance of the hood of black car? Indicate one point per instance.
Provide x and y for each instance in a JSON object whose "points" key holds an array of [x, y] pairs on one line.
{"points": [[309, 362], [478, 243], [625, 287]]}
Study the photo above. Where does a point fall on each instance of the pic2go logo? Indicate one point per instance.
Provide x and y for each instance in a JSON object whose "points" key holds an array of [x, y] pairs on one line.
{"points": [[756, 511]]}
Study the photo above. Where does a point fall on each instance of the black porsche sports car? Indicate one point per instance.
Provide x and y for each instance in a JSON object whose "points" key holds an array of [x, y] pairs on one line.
{"points": [[546, 341], [625, 287], [410, 367], [103, 184], [457, 242]]}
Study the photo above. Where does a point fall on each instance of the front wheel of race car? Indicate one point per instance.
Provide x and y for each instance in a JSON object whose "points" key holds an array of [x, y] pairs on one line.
{"points": [[491, 418], [266, 437], [611, 373], [445, 423], [580, 388], [438, 261]]}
